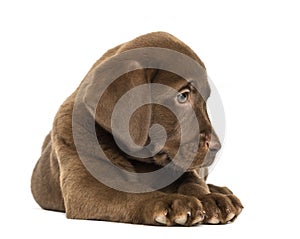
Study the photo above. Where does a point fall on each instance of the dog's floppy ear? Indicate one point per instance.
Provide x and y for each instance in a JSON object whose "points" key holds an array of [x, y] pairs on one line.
{"points": [[100, 84]]}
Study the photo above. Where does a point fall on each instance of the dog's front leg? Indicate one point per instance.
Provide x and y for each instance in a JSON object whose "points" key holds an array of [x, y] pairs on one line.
{"points": [[87, 198]]}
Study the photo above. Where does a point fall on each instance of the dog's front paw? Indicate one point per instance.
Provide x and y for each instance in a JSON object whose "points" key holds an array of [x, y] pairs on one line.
{"points": [[174, 209], [220, 208]]}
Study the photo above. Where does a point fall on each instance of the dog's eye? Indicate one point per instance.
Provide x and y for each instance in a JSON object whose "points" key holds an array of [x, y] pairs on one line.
{"points": [[183, 96]]}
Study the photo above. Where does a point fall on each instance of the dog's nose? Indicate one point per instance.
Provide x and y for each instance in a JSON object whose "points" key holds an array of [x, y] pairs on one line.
{"points": [[213, 143]]}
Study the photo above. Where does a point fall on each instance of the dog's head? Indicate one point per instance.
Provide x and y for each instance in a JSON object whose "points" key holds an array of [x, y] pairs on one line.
{"points": [[186, 102], [200, 139]]}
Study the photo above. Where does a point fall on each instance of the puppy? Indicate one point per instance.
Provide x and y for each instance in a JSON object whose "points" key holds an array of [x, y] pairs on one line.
{"points": [[153, 171]]}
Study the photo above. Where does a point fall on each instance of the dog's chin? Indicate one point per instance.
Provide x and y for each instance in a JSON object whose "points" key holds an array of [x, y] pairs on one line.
{"points": [[208, 161], [162, 159], [205, 164]]}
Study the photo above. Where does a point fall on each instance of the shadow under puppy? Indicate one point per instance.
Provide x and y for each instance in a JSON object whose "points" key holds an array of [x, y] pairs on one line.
{"points": [[65, 179]]}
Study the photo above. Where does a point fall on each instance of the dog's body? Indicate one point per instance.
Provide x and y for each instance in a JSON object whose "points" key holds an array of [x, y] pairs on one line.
{"points": [[61, 182]]}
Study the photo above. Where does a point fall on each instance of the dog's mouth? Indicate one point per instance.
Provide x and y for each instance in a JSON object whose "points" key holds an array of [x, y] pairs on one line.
{"points": [[208, 161]]}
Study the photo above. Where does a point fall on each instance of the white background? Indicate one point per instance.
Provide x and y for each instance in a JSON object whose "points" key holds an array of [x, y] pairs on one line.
{"points": [[251, 50]]}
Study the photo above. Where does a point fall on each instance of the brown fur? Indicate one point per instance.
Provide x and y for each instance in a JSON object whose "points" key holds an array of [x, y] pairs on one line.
{"points": [[60, 181]]}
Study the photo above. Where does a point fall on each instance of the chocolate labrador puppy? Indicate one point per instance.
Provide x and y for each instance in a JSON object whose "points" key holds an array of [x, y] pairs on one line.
{"points": [[131, 179]]}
